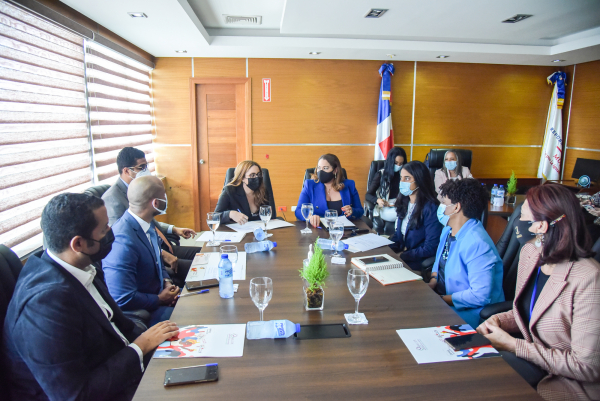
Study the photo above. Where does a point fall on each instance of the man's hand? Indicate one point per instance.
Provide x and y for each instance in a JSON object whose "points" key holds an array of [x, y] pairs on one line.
{"points": [[170, 260], [168, 296], [492, 321], [448, 299], [184, 232], [238, 217], [433, 282], [315, 220], [156, 335], [500, 339]]}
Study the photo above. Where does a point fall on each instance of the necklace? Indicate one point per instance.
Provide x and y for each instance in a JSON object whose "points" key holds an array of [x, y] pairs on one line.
{"points": [[446, 249]]}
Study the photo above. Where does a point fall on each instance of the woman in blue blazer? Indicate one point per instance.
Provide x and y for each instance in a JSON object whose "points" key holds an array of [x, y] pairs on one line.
{"points": [[417, 228], [329, 189], [468, 271]]}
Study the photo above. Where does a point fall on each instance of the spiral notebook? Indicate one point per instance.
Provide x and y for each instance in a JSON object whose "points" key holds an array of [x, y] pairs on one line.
{"points": [[385, 269]]}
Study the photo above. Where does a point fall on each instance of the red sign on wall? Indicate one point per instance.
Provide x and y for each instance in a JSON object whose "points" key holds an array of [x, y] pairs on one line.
{"points": [[266, 89]]}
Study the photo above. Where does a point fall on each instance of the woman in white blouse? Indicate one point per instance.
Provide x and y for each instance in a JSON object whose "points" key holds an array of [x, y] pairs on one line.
{"points": [[451, 170]]}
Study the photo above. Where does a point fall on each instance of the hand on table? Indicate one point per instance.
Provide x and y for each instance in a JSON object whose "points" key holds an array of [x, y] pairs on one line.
{"points": [[238, 217], [168, 296], [499, 338], [492, 321], [347, 210], [184, 232], [170, 260], [315, 220], [156, 335], [448, 299]]}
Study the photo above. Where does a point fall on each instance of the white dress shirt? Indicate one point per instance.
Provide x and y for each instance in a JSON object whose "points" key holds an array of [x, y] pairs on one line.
{"points": [[86, 278], [409, 211]]}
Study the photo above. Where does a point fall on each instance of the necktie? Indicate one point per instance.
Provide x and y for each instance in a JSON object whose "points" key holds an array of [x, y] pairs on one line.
{"points": [[167, 243], [154, 241]]}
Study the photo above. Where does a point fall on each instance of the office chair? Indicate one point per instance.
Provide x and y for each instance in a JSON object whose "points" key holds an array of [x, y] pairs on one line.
{"points": [[266, 181], [310, 171], [97, 190], [435, 159], [382, 227]]}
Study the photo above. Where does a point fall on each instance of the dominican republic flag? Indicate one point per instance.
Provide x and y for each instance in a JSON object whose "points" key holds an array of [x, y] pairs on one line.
{"points": [[384, 140], [549, 168]]}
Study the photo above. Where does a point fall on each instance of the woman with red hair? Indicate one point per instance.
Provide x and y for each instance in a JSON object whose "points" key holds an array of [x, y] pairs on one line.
{"points": [[556, 311]]}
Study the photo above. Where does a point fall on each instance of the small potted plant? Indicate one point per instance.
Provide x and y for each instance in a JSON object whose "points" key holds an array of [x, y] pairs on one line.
{"points": [[314, 275], [511, 189]]}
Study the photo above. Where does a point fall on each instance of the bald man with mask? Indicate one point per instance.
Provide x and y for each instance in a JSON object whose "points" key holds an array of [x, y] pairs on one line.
{"points": [[134, 272]]}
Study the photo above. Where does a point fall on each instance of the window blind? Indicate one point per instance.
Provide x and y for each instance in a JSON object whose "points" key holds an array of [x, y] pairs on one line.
{"points": [[44, 139], [119, 96]]}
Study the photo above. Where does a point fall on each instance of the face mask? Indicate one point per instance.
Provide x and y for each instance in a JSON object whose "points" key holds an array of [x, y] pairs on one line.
{"points": [[105, 247], [522, 231], [143, 173], [397, 168], [254, 183], [441, 214], [324, 176], [162, 211], [450, 165], [405, 188]]}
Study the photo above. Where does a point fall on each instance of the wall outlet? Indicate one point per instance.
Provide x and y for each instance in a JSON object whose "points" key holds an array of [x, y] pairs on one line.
{"points": [[282, 209], [293, 208]]}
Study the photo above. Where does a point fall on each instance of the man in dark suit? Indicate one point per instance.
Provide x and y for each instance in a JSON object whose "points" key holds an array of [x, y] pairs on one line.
{"points": [[132, 164], [65, 338], [134, 272]]}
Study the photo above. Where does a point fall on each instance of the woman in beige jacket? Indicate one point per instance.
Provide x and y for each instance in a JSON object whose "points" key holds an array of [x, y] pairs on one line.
{"points": [[556, 310], [451, 170]]}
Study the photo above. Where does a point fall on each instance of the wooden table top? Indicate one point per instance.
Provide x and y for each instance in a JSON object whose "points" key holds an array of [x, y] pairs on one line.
{"points": [[372, 363], [505, 210]]}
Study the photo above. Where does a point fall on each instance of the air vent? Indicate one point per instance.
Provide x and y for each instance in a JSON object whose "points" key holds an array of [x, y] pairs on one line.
{"points": [[243, 19], [375, 12], [517, 18]]}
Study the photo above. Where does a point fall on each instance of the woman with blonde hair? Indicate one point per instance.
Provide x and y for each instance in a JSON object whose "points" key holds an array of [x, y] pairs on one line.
{"points": [[242, 198], [451, 170]]}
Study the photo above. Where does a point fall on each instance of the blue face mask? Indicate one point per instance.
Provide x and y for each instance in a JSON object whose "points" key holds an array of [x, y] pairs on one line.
{"points": [[405, 188], [450, 165], [397, 168], [442, 216]]}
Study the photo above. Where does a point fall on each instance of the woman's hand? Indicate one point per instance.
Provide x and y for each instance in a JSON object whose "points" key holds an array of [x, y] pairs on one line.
{"points": [[500, 339], [238, 217], [381, 202], [347, 210], [492, 321], [315, 220], [594, 212]]}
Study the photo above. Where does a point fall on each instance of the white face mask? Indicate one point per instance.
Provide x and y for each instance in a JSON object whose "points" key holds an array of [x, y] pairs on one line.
{"points": [[162, 211], [142, 173]]}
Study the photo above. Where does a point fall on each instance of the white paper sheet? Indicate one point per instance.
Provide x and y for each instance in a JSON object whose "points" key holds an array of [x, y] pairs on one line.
{"points": [[251, 225], [367, 242], [210, 270], [222, 236], [215, 341], [347, 223]]}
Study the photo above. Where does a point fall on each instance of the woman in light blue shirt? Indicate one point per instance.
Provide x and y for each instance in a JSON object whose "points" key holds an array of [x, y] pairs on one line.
{"points": [[468, 271]]}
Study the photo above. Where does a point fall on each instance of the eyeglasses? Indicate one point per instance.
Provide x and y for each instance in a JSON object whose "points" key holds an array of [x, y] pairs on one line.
{"points": [[259, 175], [141, 167]]}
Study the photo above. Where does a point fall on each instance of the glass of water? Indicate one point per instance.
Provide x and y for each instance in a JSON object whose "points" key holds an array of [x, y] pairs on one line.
{"points": [[307, 212], [261, 292], [265, 215], [358, 281], [336, 231], [213, 219], [232, 253], [329, 218]]}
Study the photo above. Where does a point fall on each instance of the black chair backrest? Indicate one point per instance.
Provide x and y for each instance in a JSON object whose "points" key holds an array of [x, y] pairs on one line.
{"points": [[376, 165], [509, 249], [435, 158], [266, 178], [596, 248], [310, 171], [97, 190]]}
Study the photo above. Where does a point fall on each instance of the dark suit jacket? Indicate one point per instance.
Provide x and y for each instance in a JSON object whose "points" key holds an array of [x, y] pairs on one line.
{"points": [[421, 242], [58, 344], [234, 198], [133, 275], [314, 192]]}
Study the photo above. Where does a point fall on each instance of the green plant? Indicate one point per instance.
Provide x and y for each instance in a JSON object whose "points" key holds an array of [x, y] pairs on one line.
{"points": [[511, 185], [316, 272]]}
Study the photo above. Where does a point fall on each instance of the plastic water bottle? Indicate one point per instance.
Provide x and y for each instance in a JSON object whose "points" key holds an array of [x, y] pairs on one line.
{"points": [[225, 277], [259, 234], [328, 244], [500, 195], [494, 193], [262, 246], [271, 329]]}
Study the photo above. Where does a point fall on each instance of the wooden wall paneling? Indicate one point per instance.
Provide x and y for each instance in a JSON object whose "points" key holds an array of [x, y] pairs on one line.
{"points": [[573, 154], [200, 152], [481, 104], [219, 67], [287, 164], [584, 131], [402, 102]]}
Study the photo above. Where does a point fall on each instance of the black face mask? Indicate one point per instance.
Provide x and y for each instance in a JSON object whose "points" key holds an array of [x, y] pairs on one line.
{"points": [[254, 183], [522, 231], [105, 247], [324, 176]]}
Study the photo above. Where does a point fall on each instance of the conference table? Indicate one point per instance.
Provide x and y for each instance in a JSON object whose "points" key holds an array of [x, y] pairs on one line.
{"points": [[372, 363]]}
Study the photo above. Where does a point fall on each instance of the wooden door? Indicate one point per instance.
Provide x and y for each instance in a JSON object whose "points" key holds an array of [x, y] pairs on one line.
{"points": [[222, 137]]}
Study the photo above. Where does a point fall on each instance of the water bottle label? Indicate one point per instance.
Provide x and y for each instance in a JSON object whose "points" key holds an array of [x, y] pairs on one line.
{"points": [[225, 273], [280, 328]]}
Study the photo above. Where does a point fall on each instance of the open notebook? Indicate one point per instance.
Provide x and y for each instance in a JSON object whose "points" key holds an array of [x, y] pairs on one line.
{"points": [[385, 269]]}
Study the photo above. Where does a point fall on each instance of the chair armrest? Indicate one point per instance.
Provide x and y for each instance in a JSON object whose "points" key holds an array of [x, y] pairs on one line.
{"points": [[140, 317], [493, 309], [369, 206], [173, 239]]}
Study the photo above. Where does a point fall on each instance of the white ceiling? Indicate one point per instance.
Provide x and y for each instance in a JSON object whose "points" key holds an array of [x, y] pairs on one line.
{"points": [[466, 30]]}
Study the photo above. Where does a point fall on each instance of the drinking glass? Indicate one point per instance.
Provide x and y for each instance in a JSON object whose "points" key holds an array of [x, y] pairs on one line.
{"points": [[232, 253], [330, 216], [213, 219], [358, 281], [336, 231], [261, 292], [265, 215], [307, 212]]}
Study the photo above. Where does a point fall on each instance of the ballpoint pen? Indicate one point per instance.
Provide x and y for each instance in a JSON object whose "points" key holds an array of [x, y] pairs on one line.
{"points": [[193, 293]]}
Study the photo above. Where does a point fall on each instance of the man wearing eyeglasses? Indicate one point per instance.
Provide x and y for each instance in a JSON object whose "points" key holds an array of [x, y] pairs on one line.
{"points": [[132, 164]]}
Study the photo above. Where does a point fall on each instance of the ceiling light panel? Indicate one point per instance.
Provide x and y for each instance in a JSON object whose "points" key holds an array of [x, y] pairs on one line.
{"points": [[137, 15], [376, 12], [517, 18]]}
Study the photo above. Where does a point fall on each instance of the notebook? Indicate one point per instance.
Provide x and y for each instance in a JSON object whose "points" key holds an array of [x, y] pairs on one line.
{"points": [[385, 269]]}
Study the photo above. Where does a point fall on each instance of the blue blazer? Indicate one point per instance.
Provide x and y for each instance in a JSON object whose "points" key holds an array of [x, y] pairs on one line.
{"points": [[132, 273], [59, 345], [474, 270], [421, 242], [314, 192]]}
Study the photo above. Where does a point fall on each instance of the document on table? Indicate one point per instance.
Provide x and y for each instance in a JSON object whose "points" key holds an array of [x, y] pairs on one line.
{"points": [[367, 242], [251, 225], [347, 223], [427, 345], [202, 269], [222, 236], [197, 341]]}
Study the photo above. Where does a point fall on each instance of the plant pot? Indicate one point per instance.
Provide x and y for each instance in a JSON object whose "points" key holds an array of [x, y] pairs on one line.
{"points": [[511, 199], [313, 299]]}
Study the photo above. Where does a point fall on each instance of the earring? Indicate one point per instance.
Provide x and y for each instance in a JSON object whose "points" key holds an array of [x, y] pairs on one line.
{"points": [[539, 240]]}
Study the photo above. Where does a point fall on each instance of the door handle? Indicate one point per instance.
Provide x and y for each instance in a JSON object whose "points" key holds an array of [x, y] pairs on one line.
{"points": [[201, 161]]}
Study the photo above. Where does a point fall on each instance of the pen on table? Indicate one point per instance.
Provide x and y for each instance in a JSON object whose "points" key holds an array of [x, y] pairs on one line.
{"points": [[192, 293], [212, 364]]}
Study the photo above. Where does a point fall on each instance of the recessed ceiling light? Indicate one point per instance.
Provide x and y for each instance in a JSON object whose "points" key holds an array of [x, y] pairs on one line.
{"points": [[376, 12], [517, 18], [557, 61], [441, 56], [314, 53], [180, 51], [137, 15]]}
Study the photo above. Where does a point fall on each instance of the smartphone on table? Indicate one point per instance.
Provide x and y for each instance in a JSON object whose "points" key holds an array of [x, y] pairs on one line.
{"points": [[467, 341], [198, 285], [192, 374]]}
